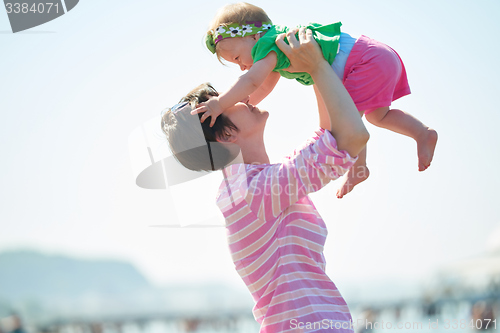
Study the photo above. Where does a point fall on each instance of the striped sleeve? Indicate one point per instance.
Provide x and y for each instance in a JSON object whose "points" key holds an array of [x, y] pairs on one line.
{"points": [[275, 188]]}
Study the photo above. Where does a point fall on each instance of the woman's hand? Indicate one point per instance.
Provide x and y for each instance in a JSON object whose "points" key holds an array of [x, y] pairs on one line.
{"points": [[304, 54], [345, 123]]}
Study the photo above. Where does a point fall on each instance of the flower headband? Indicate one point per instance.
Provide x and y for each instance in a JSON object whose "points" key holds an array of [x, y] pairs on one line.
{"points": [[235, 30]]}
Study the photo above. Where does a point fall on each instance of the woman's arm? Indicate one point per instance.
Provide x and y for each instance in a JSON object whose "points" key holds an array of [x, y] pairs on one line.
{"points": [[324, 118], [345, 124], [271, 189], [265, 89], [244, 86]]}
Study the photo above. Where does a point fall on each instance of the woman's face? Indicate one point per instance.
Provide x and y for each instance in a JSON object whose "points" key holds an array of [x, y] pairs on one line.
{"points": [[249, 119]]}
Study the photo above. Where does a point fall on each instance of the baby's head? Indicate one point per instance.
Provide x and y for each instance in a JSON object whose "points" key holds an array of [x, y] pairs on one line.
{"points": [[234, 31]]}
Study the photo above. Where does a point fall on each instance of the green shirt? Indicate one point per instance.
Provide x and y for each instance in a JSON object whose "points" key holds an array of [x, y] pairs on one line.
{"points": [[327, 37]]}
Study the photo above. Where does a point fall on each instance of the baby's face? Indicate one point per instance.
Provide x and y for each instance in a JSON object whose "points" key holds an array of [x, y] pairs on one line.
{"points": [[238, 50]]}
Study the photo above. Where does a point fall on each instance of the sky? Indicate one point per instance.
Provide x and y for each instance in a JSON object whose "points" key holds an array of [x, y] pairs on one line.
{"points": [[72, 91]]}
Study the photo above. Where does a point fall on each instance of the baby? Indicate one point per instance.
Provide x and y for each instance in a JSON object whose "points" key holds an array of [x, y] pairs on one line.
{"points": [[372, 72]]}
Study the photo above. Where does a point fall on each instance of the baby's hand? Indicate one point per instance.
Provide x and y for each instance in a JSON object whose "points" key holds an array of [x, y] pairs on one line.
{"points": [[211, 108]]}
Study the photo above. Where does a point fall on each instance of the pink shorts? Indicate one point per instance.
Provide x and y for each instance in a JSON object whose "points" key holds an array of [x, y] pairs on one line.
{"points": [[374, 75]]}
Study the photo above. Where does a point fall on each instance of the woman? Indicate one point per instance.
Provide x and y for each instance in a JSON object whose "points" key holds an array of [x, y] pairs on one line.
{"points": [[275, 234]]}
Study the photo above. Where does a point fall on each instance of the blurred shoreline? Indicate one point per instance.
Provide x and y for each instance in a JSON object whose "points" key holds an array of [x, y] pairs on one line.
{"points": [[57, 294]]}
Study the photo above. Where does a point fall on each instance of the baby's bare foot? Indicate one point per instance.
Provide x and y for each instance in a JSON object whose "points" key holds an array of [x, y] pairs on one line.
{"points": [[425, 148], [356, 175]]}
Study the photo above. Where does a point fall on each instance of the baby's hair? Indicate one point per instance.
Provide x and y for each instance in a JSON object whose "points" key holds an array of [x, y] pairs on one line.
{"points": [[240, 13], [183, 132]]}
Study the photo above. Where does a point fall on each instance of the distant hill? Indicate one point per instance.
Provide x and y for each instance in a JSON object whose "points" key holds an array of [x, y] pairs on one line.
{"points": [[43, 285], [29, 274], [56, 286]]}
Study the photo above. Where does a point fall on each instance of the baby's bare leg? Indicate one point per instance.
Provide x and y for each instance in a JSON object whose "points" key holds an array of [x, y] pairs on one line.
{"points": [[404, 123], [357, 174]]}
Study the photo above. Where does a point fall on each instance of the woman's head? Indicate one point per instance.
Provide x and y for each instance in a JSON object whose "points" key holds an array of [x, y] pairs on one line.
{"points": [[243, 20], [198, 146], [194, 144]]}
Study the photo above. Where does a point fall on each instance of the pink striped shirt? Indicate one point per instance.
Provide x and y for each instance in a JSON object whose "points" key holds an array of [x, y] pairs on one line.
{"points": [[276, 237]]}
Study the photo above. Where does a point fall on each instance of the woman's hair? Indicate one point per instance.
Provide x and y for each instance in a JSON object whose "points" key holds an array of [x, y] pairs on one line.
{"points": [[194, 144], [236, 13]]}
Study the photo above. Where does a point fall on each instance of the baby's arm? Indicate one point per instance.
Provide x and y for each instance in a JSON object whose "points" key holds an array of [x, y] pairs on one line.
{"points": [[265, 88], [244, 86]]}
